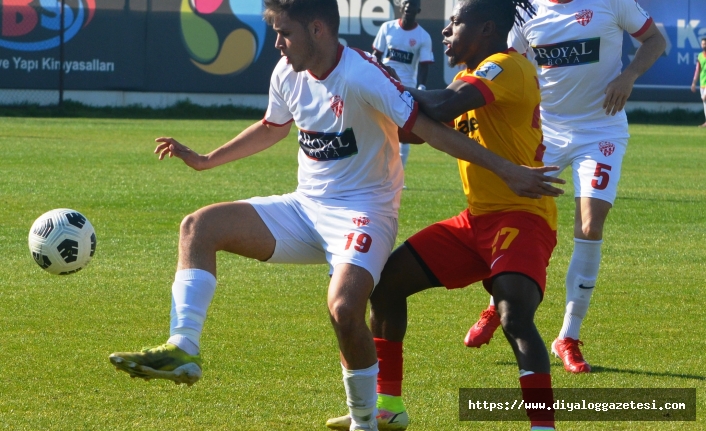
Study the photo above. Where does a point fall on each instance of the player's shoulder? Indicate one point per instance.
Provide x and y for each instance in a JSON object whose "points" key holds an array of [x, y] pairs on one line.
{"points": [[361, 66]]}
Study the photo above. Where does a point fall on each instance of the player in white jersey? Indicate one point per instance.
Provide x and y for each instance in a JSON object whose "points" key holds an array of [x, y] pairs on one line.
{"points": [[576, 46], [344, 211], [406, 47]]}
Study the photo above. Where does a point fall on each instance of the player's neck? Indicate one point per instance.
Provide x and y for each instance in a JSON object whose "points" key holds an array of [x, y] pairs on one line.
{"points": [[327, 59], [408, 23], [498, 46]]}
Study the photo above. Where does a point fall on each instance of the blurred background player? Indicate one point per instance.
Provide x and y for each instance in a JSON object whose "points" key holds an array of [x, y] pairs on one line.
{"points": [[500, 239], [700, 75], [406, 47], [576, 47]]}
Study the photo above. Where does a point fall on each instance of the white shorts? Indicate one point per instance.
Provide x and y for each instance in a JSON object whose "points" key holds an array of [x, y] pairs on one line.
{"points": [[308, 232], [595, 155]]}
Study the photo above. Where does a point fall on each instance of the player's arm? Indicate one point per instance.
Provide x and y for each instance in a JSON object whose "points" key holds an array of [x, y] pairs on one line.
{"points": [[447, 104], [522, 180], [423, 73], [254, 139], [651, 48]]}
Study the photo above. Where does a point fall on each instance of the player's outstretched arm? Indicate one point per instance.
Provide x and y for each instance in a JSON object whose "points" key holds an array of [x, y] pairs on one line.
{"points": [[619, 89], [254, 139], [523, 180], [447, 104]]}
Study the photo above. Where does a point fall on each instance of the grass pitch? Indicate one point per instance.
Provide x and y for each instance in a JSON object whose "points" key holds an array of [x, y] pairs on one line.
{"points": [[270, 355]]}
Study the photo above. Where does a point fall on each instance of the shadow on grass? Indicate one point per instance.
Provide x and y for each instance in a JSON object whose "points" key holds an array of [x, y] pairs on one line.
{"points": [[596, 369]]}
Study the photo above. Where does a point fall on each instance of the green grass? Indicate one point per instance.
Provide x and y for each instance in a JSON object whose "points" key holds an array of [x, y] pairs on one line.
{"points": [[270, 355]]}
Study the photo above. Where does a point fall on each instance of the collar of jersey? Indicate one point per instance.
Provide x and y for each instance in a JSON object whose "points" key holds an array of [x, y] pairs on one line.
{"points": [[399, 22], [328, 72]]}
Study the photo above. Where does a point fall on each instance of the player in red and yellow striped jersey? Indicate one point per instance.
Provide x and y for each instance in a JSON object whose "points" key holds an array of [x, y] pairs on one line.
{"points": [[503, 240]]}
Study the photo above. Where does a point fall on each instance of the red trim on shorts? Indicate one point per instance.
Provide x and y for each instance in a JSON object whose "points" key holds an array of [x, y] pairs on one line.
{"points": [[482, 87], [644, 28], [270, 123]]}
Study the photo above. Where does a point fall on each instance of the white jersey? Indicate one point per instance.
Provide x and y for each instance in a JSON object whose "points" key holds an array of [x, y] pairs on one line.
{"points": [[348, 121], [577, 48], [403, 50]]}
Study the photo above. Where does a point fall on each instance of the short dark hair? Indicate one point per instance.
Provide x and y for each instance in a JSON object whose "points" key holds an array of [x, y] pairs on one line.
{"points": [[505, 13], [305, 11]]}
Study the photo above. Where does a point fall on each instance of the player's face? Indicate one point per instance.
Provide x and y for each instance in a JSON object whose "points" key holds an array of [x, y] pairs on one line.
{"points": [[461, 37], [410, 8], [294, 42]]}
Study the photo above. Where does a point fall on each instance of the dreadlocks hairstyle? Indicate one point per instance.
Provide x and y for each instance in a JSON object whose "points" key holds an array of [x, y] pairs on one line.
{"points": [[305, 11], [505, 13]]}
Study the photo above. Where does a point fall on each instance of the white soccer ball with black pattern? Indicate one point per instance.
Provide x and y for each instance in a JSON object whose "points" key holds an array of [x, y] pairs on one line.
{"points": [[62, 241]]}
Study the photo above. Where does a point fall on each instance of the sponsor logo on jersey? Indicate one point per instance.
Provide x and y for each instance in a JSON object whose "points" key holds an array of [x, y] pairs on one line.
{"points": [[361, 221], [607, 148], [322, 147], [399, 56], [569, 53], [412, 42], [337, 105], [583, 17], [488, 71]]}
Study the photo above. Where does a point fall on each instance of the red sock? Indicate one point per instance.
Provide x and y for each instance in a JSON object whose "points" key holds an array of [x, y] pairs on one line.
{"points": [[390, 364], [537, 388]]}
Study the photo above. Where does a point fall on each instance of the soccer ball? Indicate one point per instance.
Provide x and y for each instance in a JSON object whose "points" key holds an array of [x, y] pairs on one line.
{"points": [[62, 241]]}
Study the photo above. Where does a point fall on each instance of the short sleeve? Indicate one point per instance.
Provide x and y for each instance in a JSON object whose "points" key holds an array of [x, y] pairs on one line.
{"points": [[516, 39], [385, 94], [380, 44], [426, 54], [498, 79], [631, 17], [278, 112]]}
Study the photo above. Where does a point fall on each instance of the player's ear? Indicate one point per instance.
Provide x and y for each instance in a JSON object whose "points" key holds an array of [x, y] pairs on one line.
{"points": [[489, 28], [316, 27]]}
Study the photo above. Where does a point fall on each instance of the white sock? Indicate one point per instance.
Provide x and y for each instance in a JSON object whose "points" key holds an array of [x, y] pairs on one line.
{"points": [[361, 396], [404, 153], [492, 301], [705, 108], [580, 282], [192, 293]]}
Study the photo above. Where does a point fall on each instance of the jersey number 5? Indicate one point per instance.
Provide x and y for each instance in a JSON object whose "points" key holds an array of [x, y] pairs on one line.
{"points": [[600, 182], [362, 242]]}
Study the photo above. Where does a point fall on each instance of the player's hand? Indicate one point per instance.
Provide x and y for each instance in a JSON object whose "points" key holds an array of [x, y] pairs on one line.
{"points": [[172, 148], [617, 93], [532, 182], [693, 87]]}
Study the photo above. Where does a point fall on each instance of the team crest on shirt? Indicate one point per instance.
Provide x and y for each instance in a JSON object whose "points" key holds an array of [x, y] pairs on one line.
{"points": [[488, 71], [607, 148], [584, 16], [337, 105], [361, 221], [412, 42]]}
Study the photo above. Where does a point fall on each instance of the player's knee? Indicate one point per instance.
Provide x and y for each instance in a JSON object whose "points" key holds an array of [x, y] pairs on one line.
{"points": [[516, 324], [187, 229], [344, 316], [591, 230]]}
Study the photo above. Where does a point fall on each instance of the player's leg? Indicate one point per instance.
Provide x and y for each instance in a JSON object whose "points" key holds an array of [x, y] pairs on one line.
{"points": [[401, 277], [597, 168], [348, 295], [231, 226], [517, 297], [703, 98]]}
